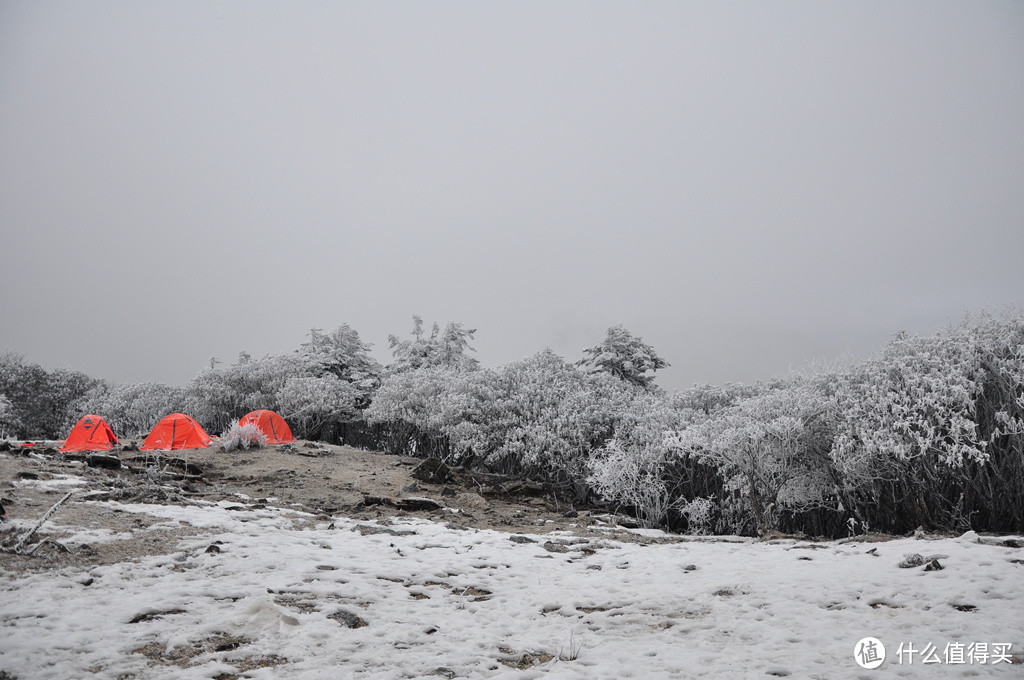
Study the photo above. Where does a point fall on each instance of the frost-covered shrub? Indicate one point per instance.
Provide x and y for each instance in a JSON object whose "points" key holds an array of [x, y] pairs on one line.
{"points": [[8, 418], [219, 396], [247, 436], [42, 403], [700, 515], [771, 452], [931, 429], [133, 409], [311, 403], [326, 382], [539, 418], [637, 467], [549, 417]]}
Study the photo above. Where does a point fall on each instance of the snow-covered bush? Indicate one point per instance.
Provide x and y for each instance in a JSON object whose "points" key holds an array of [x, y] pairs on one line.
{"points": [[931, 429], [549, 417], [8, 418], [638, 468], [219, 396], [700, 515], [312, 403], [540, 417], [133, 409], [247, 436], [42, 403], [771, 452]]}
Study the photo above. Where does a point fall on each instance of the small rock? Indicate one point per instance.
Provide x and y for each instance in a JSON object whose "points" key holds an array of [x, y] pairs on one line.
{"points": [[1011, 543], [25, 474], [555, 547], [213, 549], [911, 561], [419, 503], [933, 566], [347, 619], [690, 567], [521, 539], [151, 614], [378, 500], [96, 496], [627, 522]]}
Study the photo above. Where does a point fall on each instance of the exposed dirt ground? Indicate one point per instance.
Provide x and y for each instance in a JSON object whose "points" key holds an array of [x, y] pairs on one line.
{"points": [[325, 481]]}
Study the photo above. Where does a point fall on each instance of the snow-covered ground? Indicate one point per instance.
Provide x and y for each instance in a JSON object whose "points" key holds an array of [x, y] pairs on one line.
{"points": [[275, 599]]}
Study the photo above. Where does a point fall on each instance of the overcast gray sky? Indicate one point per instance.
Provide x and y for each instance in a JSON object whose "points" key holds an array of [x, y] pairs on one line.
{"points": [[745, 185]]}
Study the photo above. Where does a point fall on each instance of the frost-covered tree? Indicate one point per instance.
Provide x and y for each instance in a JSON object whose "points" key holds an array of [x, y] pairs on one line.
{"points": [[624, 356], [341, 353], [448, 348]]}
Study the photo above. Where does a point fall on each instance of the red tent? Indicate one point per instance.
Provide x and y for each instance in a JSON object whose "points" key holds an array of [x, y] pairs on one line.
{"points": [[177, 431], [91, 433], [272, 424]]}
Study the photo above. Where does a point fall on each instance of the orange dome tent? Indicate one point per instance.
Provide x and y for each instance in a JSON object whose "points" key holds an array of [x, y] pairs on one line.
{"points": [[91, 433], [177, 431], [273, 425]]}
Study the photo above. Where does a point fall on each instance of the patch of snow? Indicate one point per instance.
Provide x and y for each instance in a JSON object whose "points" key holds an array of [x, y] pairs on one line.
{"points": [[440, 602]]}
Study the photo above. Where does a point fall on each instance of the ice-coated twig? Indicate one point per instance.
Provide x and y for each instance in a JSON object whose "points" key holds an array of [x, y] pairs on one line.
{"points": [[39, 524]]}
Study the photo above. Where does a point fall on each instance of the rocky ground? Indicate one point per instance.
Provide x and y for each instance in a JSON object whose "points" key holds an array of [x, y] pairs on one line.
{"points": [[325, 481]]}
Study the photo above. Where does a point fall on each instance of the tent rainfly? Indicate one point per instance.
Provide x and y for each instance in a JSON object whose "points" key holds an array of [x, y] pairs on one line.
{"points": [[91, 433], [176, 431], [273, 425]]}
